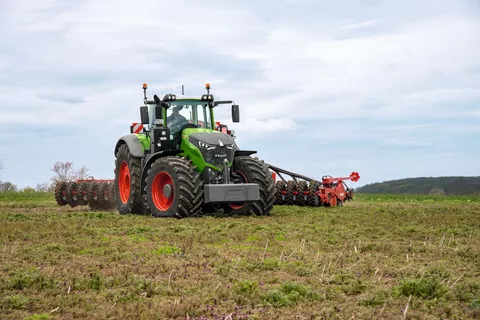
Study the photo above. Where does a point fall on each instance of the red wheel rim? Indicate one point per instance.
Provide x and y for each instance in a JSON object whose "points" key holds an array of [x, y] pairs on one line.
{"points": [[124, 182], [159, 199], [238, 206]]}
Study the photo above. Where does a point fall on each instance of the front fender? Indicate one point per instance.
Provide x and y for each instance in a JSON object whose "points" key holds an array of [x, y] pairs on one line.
{"points": [[133, 144]]}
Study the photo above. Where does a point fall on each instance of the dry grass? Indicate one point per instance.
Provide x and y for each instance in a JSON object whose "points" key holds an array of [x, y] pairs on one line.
{"points": [[367, 260]]}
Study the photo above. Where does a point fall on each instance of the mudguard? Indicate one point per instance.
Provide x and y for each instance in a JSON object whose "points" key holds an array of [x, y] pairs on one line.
{"points": [[133, 145], [240, 153]]}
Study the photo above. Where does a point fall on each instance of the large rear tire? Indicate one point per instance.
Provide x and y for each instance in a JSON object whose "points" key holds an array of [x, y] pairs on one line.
{"points": [[173, 188], [253, 170], [128, 173]]}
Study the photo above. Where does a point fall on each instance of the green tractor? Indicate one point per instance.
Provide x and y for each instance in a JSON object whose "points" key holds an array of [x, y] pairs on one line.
{"points": [[177, 163]]}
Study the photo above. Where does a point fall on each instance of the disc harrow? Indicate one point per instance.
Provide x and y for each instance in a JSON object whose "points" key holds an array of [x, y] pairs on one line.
{"points": [[97, 194], [301, 190]]}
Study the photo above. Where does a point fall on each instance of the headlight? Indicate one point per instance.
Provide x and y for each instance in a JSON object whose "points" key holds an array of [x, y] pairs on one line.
{"points": [[205, 145]]}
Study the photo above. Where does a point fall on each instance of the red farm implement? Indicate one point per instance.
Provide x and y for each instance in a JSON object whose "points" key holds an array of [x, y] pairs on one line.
{"points": [[305, 191], [97, 194]]}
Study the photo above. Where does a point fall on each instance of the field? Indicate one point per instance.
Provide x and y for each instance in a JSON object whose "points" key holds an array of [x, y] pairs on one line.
{"points": [[378, 257]]}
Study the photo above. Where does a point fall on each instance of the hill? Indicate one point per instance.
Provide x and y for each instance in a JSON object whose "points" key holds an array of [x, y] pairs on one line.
{"points": [[426, 185]]}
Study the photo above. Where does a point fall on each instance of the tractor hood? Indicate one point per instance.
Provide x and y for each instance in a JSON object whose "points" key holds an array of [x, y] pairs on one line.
{"points": [[214, 146], [207, 138]]}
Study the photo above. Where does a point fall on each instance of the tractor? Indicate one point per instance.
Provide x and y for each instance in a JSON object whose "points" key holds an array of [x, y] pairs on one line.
{"points": [[177, 163]]}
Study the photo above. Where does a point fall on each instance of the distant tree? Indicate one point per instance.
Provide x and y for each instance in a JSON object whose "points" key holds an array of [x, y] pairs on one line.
{"points": [[28, 189], [43, 187], [64, 171], [7, 186], [459, 185], [437, 192]]}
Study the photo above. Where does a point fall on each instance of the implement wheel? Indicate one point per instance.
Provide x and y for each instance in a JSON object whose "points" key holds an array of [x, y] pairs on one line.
{"points": [[253, 170], [173, 188], [61, 193], [94, 195], [128, 173], [280, 186], [302, 198], [290, 197], [313, 199], [72, 194], [83, 190]]}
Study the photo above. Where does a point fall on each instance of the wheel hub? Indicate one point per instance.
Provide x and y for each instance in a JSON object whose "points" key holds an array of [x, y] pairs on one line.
{"points": [[167, 190]]}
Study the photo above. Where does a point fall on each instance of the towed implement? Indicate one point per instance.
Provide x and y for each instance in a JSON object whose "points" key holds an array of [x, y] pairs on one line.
{"points": [[305, 191], [179, 162], [97, 194]]}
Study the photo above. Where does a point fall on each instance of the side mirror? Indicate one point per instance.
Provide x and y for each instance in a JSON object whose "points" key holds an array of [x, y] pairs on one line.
{"points": [[158, 112], [235, 113], [144, 114]]}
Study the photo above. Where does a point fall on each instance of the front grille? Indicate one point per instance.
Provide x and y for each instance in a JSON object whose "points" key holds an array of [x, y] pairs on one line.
{"points": [[211, 156]]}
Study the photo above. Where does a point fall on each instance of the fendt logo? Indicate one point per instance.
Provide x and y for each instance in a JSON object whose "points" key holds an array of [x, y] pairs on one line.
{"points": [[220, 155]]}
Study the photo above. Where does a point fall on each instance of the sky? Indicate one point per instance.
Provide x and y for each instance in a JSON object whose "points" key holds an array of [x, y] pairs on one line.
{"points": [[389, 89]]}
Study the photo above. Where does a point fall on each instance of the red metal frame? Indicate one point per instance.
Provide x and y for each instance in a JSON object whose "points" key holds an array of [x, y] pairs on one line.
{"points": [[333, 189]]}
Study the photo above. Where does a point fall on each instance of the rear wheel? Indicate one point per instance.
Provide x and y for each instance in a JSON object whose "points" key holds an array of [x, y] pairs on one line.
{"points": [[60, 193], [127, 182], [253, 170], [173, 188]]}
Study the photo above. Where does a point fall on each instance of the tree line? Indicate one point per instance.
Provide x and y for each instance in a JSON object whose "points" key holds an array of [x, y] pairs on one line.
{"points": [[62, 171], [459, 185]]}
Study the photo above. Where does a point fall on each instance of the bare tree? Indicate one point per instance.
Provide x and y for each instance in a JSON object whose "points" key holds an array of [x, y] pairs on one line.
{"points": [[7, 186], [64, 171], [42, 187]]}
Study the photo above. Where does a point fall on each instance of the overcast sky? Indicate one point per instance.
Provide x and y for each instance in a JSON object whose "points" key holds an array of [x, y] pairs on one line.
{"points": [[390, 89]]}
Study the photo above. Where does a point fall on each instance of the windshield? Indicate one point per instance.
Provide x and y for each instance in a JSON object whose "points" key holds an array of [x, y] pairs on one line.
{"points": [[183, 112]]}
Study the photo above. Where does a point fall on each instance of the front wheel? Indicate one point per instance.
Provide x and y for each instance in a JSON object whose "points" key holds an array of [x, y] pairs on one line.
{"points": [[253, 170], [173, 188]]}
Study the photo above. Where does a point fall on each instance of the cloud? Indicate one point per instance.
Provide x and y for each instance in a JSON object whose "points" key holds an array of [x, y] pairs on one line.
{"points": [[358, 87]]}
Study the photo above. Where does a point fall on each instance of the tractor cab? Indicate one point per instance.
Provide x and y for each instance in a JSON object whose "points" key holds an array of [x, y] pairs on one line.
{"points": [[172, 114]]}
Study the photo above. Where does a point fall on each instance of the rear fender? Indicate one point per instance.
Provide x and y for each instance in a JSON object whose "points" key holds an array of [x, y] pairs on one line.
{"points": [[133, 144]]}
